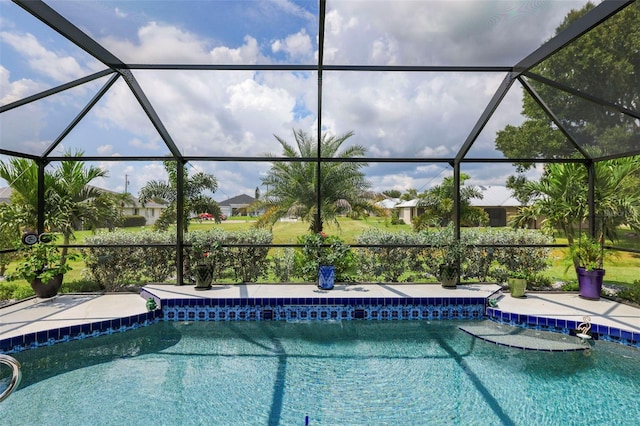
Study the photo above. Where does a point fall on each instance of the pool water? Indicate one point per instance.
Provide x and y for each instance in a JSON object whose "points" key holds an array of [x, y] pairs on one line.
{"points": [[326, 373]]}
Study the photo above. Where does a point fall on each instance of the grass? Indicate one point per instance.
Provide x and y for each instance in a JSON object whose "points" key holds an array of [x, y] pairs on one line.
{"points": [[622, 268]]}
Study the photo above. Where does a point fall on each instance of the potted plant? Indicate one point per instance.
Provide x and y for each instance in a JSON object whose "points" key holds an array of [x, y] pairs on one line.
{"points": [[517, 283], [203, 255], [324, 257], [452, 255], [588, 255], [43, 266]]}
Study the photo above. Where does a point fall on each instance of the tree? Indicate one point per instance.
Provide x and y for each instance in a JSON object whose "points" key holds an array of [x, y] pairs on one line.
{"points": [[604, 63], [392, 193], [409, 194], [194, 199], [561, 198], [70, 202], [436, 204], [292, 186]]}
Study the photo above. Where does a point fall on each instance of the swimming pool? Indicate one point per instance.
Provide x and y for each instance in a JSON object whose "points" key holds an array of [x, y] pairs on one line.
{"points": [[347, 373]]}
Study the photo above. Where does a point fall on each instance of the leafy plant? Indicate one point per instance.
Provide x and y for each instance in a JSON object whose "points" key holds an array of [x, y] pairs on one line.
{"points": [[587, 252], [521, 275], [283, 264], [42, 261], [322, 249]]}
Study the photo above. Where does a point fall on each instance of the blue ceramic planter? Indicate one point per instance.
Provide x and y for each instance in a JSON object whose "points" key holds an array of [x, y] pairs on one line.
{"points": [[326, 277]]}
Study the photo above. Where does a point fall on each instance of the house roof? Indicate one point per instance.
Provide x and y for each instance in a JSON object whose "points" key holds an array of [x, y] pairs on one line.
{"points": [[242, 200], [388, 203], [410, 203], [495, 196], [492, 196]]}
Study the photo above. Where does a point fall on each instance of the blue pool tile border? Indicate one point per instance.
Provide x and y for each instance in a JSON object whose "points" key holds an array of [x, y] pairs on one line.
{"points": [[77, 332], [262, 309], [312, 309], [598, 331]]}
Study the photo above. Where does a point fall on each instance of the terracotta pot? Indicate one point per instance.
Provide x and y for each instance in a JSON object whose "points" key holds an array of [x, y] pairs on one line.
{"points": [[48, 289]]}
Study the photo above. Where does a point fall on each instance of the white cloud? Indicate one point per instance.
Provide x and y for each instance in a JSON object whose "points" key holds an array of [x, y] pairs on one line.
{"points": [[11, 91], [158, 43], [439, 32], [248, 53], [61, 68], [297, 46]]}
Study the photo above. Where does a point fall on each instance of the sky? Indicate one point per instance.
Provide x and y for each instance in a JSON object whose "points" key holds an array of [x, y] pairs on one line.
{"points": [[224, 113]]}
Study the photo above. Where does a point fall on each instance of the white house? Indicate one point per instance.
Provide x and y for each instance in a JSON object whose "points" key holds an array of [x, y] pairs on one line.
{"points": [[150, 211], [498, 201], [238, 206]]}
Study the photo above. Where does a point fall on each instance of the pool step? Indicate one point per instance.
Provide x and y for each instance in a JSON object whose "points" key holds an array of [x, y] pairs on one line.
{"points": [[523, 338]]}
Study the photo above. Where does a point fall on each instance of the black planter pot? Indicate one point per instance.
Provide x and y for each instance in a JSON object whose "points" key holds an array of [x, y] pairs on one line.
{"points": [[204, 277], [47, 289], [590, 283]]}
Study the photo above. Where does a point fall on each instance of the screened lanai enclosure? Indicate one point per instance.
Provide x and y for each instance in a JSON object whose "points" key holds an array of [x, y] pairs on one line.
{"points": [[163, 99]]}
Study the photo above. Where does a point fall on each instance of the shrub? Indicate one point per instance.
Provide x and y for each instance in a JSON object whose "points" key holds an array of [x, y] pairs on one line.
{"points": [[483, 253], [246, 262], [528, 260], [632, 294], [80, 286], [283, 264], [386, 263], [121, 262], [395, 218], [249, 260], [7, 289], [132, 221], [23, 292]]}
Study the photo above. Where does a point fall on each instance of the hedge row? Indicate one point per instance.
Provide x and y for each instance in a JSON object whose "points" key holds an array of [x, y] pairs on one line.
{"points": [[417, 257]]}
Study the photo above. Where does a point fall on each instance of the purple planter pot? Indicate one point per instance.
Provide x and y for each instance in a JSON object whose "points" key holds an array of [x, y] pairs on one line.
{"points": [[590, 283]]}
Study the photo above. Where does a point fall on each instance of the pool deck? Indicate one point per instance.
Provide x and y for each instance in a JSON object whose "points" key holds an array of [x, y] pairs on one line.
{"points": [[34, 315]]}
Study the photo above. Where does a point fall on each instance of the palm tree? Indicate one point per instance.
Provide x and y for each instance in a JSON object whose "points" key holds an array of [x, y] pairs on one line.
{"points": [[293, 186], [560, 198], [70, 202], [194, 199]]}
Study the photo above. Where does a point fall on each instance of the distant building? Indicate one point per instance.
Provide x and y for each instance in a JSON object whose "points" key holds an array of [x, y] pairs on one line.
{"points": [[498, 201], [238, 206], [150, 211], [388, 203]]}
